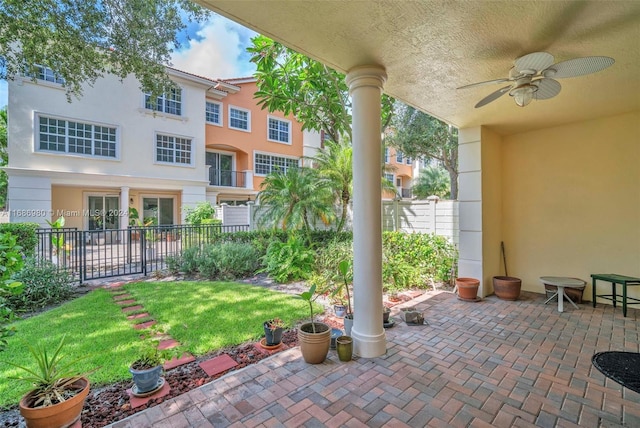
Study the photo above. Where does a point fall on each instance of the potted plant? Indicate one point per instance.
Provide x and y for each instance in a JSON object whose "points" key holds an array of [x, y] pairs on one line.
{"points": [[344, 268], [147, 369], [59, 391], [273, 329], [314, 337]]}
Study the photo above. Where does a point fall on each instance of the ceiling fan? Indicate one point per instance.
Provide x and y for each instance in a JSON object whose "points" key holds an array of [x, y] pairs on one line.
{"points": [[533, 77]]}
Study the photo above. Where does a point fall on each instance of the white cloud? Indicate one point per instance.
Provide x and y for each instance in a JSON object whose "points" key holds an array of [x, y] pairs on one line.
{"points": [[220, 52]]}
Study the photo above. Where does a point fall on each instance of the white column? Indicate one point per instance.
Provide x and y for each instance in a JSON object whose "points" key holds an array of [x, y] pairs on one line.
{"points": [[365, 86], [248, 179], [124, 207]]}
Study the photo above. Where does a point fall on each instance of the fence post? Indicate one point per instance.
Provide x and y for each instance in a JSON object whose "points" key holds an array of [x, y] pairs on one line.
{"points": [[433, 202], [250, 213], [396, 214]]}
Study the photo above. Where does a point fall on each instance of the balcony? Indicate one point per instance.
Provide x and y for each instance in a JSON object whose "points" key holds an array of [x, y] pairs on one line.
{"points": [[219, 177], [406, 193]]}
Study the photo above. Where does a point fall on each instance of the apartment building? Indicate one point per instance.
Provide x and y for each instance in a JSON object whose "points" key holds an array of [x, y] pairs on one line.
{"points": [[92, 159], [399, 171]]}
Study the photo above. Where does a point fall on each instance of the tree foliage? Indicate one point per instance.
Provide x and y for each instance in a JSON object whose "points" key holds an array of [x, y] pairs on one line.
{"points": [[295, 199], [315, 94], [433, 180], [81, 40], [419, 135], [4, 157], [335, 163]]}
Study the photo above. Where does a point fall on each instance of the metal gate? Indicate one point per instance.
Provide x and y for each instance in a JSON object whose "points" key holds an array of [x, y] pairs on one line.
{"points": [[98, 254]]}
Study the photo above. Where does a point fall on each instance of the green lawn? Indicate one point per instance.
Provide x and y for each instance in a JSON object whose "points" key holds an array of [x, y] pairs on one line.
{"points": [[203, 316]]}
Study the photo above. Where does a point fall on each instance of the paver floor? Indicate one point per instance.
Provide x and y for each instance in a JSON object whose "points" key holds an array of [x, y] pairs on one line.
{"points": [[489, 363]]}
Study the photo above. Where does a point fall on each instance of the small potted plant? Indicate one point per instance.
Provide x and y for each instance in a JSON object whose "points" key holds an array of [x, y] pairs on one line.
{"points": [[273, 329], [344, 268], [59, 391], [314, 337], [147, 369]]}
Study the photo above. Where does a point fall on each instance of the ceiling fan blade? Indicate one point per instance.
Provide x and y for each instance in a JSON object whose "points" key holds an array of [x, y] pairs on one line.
{"points": [[493, 96], [547, 88], [488, 82], [578, 67], [536, 61]]}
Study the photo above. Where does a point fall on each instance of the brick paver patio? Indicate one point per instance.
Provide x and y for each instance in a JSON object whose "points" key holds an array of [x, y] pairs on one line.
{"points": [[490, 363]]}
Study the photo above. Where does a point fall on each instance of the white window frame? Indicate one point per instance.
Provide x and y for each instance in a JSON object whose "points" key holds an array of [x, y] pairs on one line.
{"points": [[399, 156], [232, 107], [279, 119], [408, 160], [143, 196], [390, 177], [273, 155], [85, 210], [36, 137], [386, 155], [168, 134], [163, 96], [220, 113]]}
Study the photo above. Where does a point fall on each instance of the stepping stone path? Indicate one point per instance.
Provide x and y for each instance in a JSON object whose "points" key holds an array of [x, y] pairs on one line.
{"points": [[212, 367]]}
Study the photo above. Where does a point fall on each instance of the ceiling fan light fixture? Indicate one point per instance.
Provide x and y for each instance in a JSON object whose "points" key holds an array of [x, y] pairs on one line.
{"points": [[523, 94]]}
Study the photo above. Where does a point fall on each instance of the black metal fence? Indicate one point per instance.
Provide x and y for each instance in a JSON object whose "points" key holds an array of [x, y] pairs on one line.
{"points": [[97, 254]]}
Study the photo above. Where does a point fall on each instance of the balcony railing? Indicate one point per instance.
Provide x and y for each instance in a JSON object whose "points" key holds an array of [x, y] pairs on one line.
{"points": [[219, 177], [406, 193]]}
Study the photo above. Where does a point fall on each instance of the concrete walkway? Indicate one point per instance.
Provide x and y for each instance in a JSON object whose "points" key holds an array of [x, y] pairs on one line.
{"points": [[490, 363]]}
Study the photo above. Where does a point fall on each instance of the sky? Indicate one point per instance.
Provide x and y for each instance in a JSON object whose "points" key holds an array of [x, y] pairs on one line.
{"points": [[216, 49]]}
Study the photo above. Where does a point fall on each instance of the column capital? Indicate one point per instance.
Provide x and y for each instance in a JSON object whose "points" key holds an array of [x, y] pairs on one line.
{"points": [[366, 75]]}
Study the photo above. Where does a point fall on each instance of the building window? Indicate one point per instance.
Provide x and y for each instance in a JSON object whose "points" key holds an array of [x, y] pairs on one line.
{"points": [[264, 164], [170, 102], [66, 136], [279, 130], [408, 160], [386, 155], [239, 119], [213, 113], [389, 178], [170, 149], [46, 74], [399, 157]]}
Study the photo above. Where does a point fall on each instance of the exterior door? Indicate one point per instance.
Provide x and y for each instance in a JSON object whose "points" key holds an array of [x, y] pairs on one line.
{"points": [[104, 212], [221, 171]]}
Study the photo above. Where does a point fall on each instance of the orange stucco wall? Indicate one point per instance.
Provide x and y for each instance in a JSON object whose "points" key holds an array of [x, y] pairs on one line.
{"points": [[245, 144]]}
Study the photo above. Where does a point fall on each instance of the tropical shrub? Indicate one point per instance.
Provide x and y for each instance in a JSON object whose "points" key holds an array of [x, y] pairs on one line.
{"points": [[202, 211], [25, 234], [289, 261], [44, 285], [11, 261], [223, 261]]}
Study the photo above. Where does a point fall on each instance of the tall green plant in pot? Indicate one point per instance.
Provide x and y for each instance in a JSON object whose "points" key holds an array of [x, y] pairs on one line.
{"points": [[59, 391], [314, 337], [344, 267]]}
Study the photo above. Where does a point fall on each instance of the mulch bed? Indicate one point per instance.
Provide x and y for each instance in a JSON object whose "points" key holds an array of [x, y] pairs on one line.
{"points": [[108, 404]]}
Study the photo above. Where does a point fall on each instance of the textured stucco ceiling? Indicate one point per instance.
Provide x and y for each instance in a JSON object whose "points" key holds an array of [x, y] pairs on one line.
{"points": [[429, 48]]}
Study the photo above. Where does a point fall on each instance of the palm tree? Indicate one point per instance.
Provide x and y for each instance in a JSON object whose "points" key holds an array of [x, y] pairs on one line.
{"points": [[433, 180], [295, 199], [335, 163]]}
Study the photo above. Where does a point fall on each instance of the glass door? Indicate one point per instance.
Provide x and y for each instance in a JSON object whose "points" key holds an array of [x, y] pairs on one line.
{"points": [[104, 212], [157, 211], [221, 171]]}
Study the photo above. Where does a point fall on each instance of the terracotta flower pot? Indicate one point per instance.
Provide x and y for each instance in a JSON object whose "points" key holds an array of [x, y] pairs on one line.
{"points": [[468, 288], [314, 346], [59, 415], [507, 287]]}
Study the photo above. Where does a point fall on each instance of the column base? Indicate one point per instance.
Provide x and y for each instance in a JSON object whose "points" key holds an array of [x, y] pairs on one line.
{"points": [[368, 346]]}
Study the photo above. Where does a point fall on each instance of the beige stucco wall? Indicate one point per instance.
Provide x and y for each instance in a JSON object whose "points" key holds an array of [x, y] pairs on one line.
{"points": [[71, 201], [491, 207], [570, 201]]}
